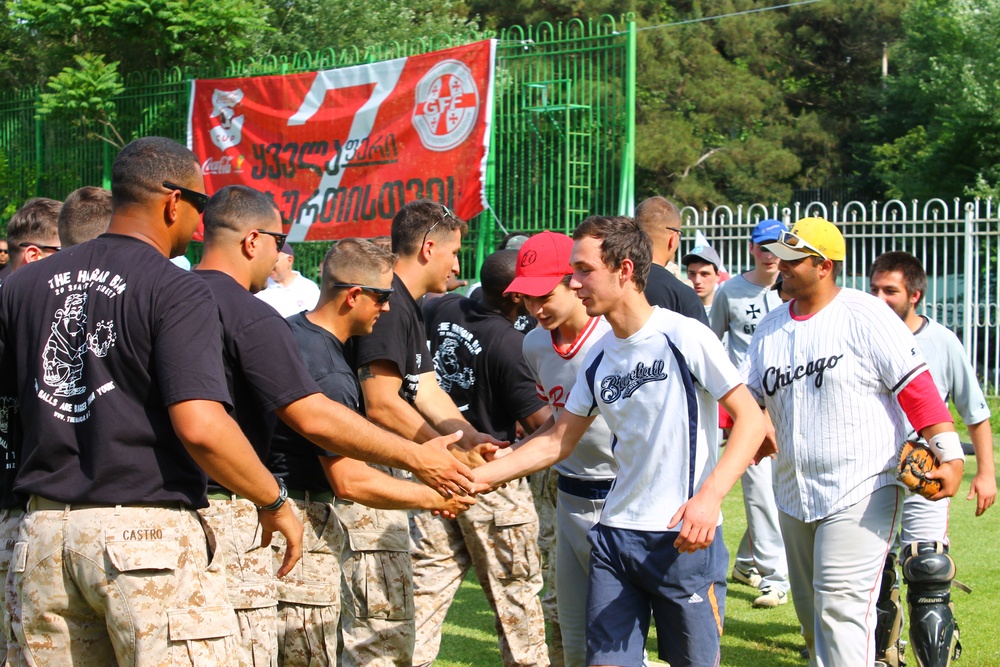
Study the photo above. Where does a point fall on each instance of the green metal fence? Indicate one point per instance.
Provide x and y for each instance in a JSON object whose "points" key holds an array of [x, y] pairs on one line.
{"points": [[562, 130]]}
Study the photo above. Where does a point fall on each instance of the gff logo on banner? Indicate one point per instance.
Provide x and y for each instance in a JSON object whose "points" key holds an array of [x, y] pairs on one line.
{"points": [[447, 105]]}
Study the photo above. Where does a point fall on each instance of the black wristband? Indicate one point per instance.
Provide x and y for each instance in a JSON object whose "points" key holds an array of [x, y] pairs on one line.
{"points": [[282, 497]]}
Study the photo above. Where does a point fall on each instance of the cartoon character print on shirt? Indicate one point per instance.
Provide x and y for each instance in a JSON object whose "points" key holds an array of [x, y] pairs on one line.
{"points": [[618, 386], [448, 365], [63, 357], [72, 336], [449, 369]]}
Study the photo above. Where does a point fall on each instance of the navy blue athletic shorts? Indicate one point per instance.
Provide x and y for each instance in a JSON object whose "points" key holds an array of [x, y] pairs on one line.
{"points": [[633, 572]]}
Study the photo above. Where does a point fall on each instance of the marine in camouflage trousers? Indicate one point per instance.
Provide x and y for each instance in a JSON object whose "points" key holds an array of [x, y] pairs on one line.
{"points": [[499, 537], [250, 580], [376, 611], [10, 523], [309, 595], [119, 585]]}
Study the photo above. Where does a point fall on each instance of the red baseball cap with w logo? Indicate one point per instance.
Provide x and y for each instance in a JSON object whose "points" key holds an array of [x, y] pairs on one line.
{"points": [[542, 262]]}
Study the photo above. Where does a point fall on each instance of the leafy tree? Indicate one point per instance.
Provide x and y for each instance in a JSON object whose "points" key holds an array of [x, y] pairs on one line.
{"points": [[942, 108], [83, 97], [139, 34], [312, 25]]}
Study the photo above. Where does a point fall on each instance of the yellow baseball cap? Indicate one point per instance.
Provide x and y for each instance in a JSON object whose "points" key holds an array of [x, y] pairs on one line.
{"points": [[810, 237]]}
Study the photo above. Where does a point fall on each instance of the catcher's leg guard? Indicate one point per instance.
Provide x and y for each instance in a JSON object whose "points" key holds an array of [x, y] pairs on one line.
{"points": [[929, 570], [889, 624]]}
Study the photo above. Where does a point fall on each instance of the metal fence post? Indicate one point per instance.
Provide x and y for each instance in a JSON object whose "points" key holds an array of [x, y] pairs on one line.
{"points": [[968, 281], [626, 205]]}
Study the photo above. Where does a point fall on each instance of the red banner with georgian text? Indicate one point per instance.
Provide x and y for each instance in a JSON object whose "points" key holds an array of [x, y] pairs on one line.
{"points": [[342, 150]]}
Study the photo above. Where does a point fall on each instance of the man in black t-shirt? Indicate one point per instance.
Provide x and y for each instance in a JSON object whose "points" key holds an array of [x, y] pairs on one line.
{"points": [[116, 355], [477, 360], [267, 376], [393, 365], [356, 283], [661, 221]]}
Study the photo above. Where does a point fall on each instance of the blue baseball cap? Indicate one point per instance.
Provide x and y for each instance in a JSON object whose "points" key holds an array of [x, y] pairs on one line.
{"points": [[767, 231]]}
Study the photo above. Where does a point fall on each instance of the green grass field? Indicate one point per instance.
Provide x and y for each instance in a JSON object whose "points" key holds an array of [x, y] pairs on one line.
{"points": [[770, 637]]}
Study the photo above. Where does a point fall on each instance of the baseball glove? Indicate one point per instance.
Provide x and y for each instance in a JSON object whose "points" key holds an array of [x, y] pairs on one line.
{"points": [[915, 462]]}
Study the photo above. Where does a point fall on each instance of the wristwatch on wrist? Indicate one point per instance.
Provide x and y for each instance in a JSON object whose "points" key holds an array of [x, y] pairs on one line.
{"points": [[282, 497]]}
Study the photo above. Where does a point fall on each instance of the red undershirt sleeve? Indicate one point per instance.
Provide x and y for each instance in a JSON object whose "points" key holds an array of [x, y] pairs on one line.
{"points": [[922, 403]]}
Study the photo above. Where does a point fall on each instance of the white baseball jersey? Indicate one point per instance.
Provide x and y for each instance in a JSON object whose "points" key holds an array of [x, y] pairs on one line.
{"points": [[738, 308], [555, 373], [829, 383], [658, 392]]}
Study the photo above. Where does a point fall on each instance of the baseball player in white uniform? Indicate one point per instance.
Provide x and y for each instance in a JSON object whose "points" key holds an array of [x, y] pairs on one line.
{"points": [[658, 545], [899, 279], [836, 371], [554, 352], [740, 304]]}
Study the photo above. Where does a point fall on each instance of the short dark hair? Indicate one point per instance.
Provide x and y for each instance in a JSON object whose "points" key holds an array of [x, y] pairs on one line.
{"points": [[85, 215], [496, 273], [412, 223], [354, 259], [914, 274], [236, 208], [621, 238], [35, 222], [141, 167], [838, 266]]}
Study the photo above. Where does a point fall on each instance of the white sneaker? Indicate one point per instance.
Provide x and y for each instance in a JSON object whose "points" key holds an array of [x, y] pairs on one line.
{"points": [[771, 598], [751, 577]]}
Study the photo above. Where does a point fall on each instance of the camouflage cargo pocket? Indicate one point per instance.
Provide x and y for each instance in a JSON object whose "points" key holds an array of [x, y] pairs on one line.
{"points": [[160, 551], [382, 585], [516, 543]]}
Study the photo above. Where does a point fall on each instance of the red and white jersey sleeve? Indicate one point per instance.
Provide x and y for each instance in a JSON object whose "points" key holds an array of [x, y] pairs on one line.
{"points": [[555, 372]]}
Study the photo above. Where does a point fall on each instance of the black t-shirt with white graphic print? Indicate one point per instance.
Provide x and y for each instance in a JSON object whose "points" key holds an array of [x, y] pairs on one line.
{"points": [[477, 360], [399, 338], [264, 368], [102, 338], [292, 456]]}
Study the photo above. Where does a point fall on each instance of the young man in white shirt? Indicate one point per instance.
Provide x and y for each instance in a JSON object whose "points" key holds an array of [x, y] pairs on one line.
{"points": [[655, 379], [554, 352]]}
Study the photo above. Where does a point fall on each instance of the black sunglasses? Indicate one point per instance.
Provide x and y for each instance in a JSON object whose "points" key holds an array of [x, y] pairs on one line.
{"points": [[381, 295], [445, 213], [28, 244], [197, 199], [279, 238]]}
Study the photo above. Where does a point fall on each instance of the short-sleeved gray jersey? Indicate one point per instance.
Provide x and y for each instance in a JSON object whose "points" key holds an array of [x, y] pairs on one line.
{"points": [[953, 374], [738, 307]]}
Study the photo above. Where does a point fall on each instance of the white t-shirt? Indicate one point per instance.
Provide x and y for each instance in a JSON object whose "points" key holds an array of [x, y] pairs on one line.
{"points": [[829, 383], [301, 294], [555, 373], [737, 309], [658, 392]]}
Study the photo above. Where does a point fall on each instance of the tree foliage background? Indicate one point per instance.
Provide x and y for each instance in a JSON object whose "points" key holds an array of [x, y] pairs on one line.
{"points": [[750, 107]]}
